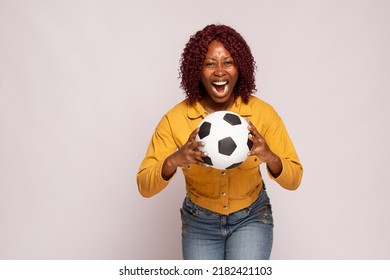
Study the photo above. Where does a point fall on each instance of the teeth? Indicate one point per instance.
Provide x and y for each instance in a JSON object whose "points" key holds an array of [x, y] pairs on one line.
{"points": [[221, 83]]}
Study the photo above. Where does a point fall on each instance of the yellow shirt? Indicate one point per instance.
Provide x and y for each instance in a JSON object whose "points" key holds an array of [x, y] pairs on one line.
{"points": [[221, 191]]}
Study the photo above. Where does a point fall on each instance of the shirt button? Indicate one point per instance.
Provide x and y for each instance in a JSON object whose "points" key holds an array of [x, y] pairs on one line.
{"points": [[225, 207], [223, 193], [223, 173]]}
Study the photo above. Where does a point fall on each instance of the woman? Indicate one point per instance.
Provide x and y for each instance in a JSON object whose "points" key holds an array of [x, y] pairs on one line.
{"points": [[226, 213]]}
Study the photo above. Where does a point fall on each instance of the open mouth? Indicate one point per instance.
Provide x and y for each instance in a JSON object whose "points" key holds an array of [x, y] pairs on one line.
{"points": [[220, 86]]}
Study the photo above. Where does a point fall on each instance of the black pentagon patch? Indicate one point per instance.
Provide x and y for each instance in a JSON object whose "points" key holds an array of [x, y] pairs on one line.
{"points": [[234, 165], [250, 144], [232, 119], [204, 130], [207, 160], [226, 146]]}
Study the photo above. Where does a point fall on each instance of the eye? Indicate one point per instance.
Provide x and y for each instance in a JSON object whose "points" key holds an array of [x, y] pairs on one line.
{"points": [[209, 64], [229, 63]]}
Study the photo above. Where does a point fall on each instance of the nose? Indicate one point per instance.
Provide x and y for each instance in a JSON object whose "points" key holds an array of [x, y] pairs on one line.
{"points": [[219, 70]]}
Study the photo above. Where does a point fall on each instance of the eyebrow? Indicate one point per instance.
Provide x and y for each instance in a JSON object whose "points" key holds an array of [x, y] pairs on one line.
{"points": [[227, 57]]}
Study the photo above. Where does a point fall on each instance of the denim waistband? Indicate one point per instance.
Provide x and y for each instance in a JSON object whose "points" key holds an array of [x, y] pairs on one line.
{"points": [[262, 199]]}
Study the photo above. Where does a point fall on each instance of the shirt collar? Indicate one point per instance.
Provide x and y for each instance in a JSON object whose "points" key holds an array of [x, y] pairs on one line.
{"points": [[195, 110]]}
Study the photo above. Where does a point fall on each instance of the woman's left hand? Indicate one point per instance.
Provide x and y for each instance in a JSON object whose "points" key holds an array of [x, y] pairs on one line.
{"points": [[261, 149]]}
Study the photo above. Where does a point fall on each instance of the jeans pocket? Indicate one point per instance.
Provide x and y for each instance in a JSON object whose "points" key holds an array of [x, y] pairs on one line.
{"points": [[188, 212], [189, 207], [184, 222], [265, 215]]}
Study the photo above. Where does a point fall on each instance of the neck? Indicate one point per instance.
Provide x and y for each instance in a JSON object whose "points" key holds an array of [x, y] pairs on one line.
{"points": [[211, 106]]}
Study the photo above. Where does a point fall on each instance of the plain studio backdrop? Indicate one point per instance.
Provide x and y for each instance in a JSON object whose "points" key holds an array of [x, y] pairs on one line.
{"points": [[84, 83]]}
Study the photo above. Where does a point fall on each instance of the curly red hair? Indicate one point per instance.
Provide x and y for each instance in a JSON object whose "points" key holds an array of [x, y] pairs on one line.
{"points": [[195, 51]]}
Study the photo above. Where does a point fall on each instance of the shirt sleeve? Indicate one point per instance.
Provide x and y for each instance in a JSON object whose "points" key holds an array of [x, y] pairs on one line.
{"points": [[280, 143], [162, 145]]}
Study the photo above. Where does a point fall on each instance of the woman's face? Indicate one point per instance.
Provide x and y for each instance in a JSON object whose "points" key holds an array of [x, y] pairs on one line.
{"points": [[219, 74]]}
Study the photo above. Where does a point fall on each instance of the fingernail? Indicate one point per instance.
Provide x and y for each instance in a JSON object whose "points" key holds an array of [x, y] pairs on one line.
{"points": [[202, 143], [205, 154]]}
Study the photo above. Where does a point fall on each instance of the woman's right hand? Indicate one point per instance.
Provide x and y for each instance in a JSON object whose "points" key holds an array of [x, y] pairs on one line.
{"points": [[185, 155]]}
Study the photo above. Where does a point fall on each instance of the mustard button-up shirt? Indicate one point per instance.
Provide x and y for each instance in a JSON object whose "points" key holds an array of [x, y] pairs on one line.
{"points": [[221, 191]]}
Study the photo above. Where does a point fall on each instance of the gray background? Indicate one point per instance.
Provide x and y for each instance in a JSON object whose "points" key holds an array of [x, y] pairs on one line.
{"points": [[84, 83]]}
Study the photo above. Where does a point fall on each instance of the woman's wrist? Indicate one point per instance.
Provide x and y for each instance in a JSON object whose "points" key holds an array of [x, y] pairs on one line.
{"points": [[169, 167], [275, 165]]}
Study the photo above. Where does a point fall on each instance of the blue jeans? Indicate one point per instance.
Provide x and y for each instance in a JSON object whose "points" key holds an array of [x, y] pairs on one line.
{"points": [[246, 234]]}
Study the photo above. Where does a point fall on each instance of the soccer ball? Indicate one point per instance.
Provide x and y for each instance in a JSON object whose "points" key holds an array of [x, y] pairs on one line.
{"points": [[225, 135]]}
